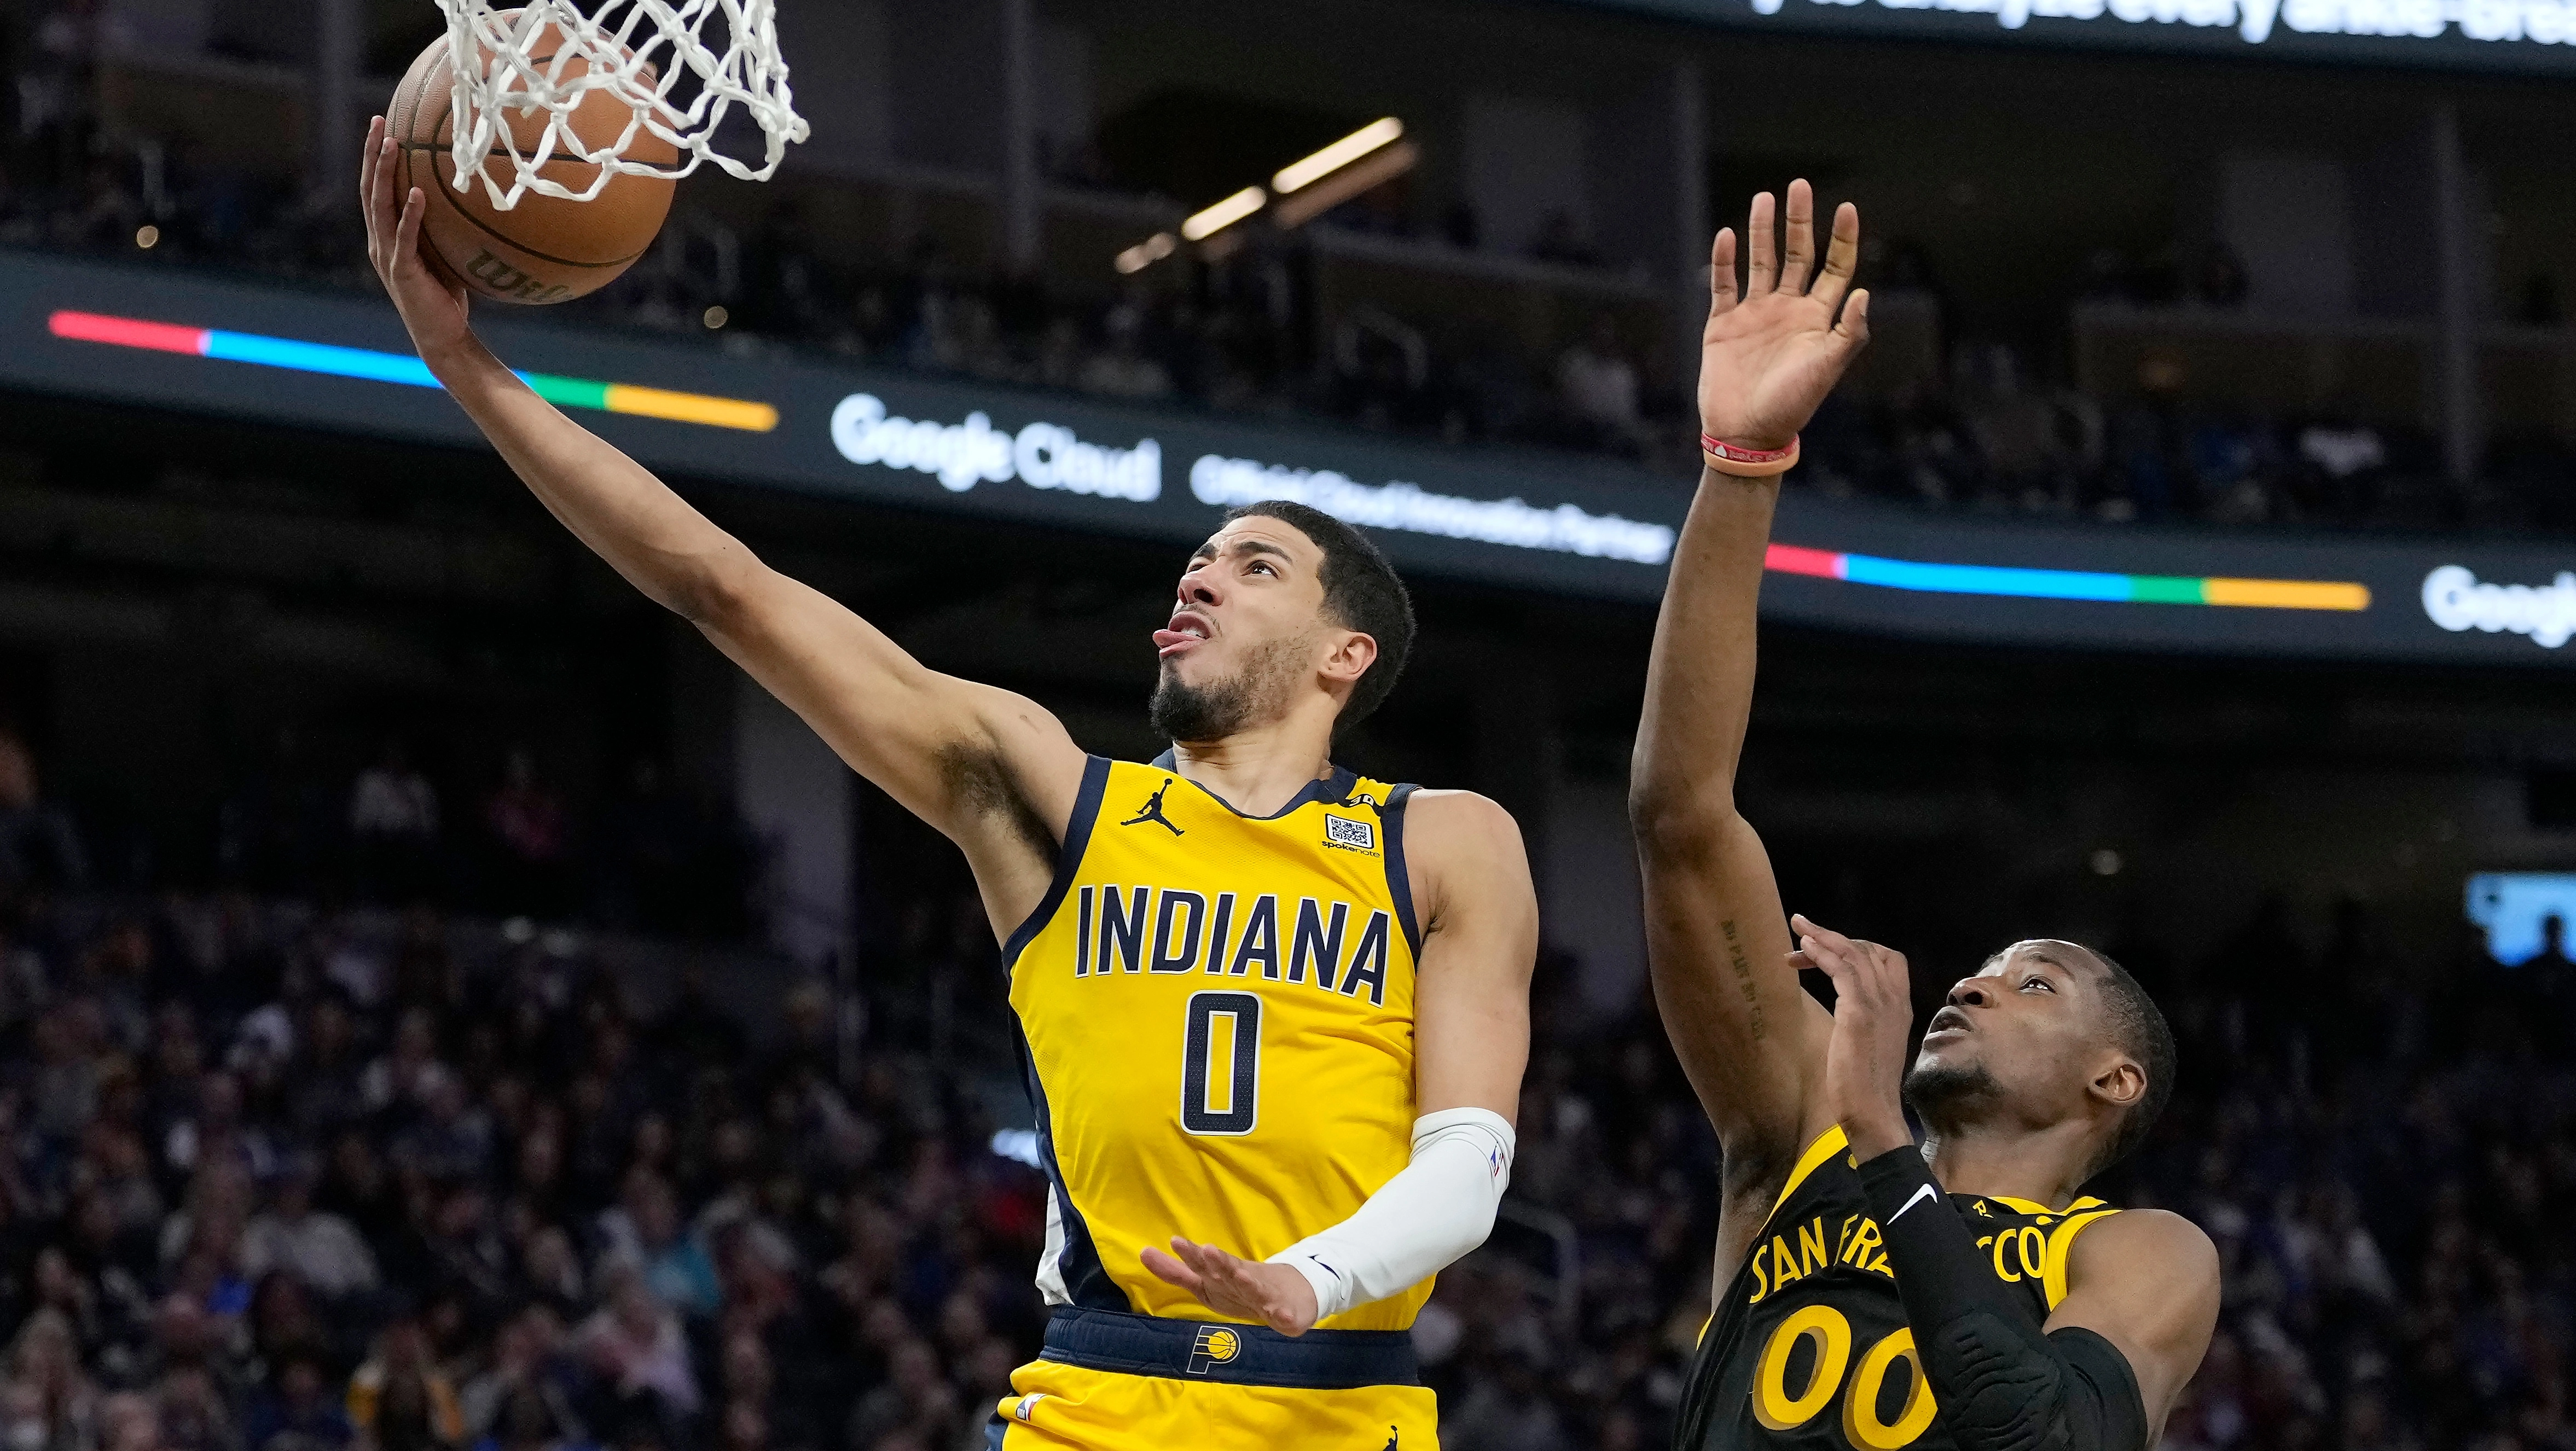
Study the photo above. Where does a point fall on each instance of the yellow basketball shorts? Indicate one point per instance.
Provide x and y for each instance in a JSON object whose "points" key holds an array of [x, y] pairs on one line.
{"points": [[1115, 1382]]}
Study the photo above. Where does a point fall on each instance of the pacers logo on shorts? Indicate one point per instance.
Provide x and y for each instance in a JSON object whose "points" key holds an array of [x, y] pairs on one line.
{"points": [[1216, 1345]]}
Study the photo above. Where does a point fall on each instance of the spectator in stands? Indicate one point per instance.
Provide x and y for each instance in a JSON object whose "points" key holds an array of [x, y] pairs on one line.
{"points": [[38, 844], [400, 1396], [320, 1249], [1509, 1412], [393, 821], [1597, 386], [1123, 370], [529, 833], [634, 1344], [295, 1411], [645, 1235]]}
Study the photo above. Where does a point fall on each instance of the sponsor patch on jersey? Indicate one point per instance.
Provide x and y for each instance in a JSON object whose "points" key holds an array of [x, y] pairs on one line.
{"points": [[1216, 1345], [1349, 831]]}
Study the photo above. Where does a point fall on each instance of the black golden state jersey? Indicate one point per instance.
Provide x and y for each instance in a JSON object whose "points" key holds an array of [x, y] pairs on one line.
{"points": [[1809, 1348]]}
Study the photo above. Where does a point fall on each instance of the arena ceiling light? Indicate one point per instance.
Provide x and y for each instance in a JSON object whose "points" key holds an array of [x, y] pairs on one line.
{"points": [[1372, 170], [1306, 189], [1146, 253], [1298, 174], [1225, 214]]}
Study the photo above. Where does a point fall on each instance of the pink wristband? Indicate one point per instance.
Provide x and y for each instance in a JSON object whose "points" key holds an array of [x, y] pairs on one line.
{"points": [[1747, 463]]}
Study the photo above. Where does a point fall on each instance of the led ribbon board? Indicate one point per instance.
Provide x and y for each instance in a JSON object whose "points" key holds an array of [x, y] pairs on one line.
{"points": [[1494, 519], [2069, 584], [402, 368], [2536, 36]]}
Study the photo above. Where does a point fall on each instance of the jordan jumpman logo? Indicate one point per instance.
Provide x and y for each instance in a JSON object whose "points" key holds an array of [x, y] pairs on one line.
{"points": [[1153, 811]]}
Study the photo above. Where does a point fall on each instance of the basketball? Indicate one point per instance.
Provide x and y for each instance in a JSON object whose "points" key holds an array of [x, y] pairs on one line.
{"points": [[545, 249]]}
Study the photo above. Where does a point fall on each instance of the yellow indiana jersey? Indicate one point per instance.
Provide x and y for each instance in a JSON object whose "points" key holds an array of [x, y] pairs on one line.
{"points": [[1217, 1018]]}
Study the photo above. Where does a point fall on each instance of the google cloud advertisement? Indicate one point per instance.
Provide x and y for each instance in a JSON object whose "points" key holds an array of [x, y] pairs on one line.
{"points": [[1510, 520]]}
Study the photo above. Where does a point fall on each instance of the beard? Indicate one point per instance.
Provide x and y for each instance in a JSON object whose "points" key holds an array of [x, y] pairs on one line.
{"points": [[1254, 694], [1947, 1094]]}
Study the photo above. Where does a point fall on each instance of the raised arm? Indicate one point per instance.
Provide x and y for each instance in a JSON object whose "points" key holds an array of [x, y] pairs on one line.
{"points": [[992, 770], [1751, 1040]]}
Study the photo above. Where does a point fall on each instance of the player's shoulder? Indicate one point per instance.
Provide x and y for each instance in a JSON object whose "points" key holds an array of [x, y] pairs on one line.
{"points": [[1464, 850], [1460, 828], [1446, 809], [2154, 1241]]}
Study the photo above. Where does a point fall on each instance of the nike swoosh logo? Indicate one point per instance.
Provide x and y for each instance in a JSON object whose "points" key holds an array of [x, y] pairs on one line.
{"points": [[1921, 1193], [1328, 1269]]}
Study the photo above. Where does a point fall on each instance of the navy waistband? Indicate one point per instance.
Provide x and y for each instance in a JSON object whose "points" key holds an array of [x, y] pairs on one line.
{"points": [[1252, 1355]]}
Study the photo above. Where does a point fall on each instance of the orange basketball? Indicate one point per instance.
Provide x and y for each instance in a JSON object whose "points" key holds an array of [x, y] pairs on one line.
{"points": [[545, 249]]}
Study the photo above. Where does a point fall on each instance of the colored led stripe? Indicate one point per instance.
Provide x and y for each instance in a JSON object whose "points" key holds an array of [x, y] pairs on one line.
{"points": [[2068, 584], [318, 358], [89, 327], [691, 408], [378, 367]]}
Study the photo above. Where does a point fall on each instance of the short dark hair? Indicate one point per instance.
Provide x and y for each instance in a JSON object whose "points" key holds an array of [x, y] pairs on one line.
{"points": [[2137, 1026], [1361, 592]]}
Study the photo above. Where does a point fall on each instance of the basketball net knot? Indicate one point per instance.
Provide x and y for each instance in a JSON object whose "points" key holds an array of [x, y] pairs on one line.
{"points": [[726, 50]]}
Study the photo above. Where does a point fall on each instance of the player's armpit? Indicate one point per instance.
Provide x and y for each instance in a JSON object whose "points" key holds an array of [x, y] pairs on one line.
{"points": [[992, 770], [2146, 1281], [1479, 917]]}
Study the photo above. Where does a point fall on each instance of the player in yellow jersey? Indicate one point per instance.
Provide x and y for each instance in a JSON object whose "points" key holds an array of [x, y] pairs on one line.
{"points": [[1873, 1294], [1274, 1014]]}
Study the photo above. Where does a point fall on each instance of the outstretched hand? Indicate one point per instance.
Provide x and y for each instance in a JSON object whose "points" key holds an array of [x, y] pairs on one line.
{"points": [[432, 304], [1771, 354], [1273, 1295], [1873, 1019]]}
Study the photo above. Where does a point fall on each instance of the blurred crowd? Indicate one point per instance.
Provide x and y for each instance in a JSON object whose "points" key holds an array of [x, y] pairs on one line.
{"points": [[280, 1179], [284, 1177], [647, 857], [1992, 445]]}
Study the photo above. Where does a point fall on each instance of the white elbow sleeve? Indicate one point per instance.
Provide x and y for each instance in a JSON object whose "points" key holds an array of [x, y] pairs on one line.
{"points": [[1421, 1221]]}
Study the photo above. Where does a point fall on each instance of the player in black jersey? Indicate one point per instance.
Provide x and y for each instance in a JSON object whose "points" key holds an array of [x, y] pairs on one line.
{"points": [[1872, 1293]]}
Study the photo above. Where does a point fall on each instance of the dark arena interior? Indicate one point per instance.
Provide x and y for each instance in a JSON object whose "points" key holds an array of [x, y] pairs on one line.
{"points": [[445, 1004]]}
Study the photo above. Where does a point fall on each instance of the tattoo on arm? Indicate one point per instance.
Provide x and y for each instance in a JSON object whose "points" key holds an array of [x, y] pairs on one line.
{"points": [[1743, 978]]}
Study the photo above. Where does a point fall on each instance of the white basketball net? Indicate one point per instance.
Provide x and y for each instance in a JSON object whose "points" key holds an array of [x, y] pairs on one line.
{"points": [[730, 46]]}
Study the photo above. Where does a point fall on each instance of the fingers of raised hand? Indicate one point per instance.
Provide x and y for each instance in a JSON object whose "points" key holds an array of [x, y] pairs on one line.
{"points": [[367, 160], [1854, 328], [1842, 255], [1798, 237], [1761, 259], [407, 230], [1721, 272], [1812, 937]]}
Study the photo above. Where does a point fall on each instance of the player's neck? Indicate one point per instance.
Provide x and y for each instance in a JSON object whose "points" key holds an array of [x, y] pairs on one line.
{"points": [[2010, 1161], [1260, 769]]}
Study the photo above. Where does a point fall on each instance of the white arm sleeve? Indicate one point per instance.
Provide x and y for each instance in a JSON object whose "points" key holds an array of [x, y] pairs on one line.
{"points": [[1420, 1222]]}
